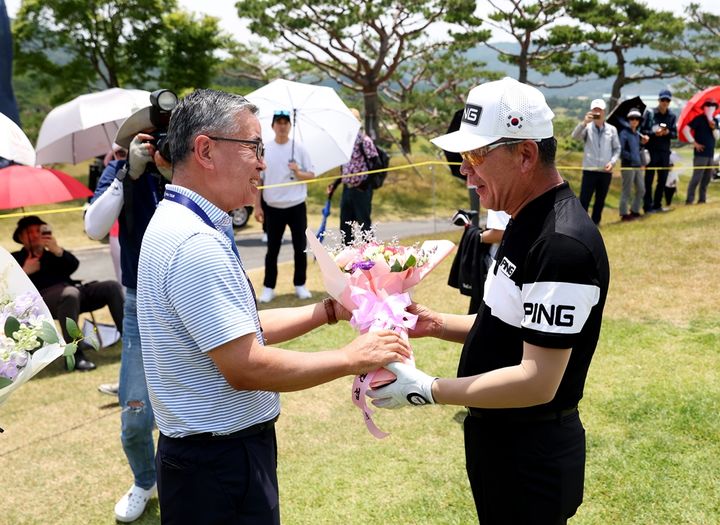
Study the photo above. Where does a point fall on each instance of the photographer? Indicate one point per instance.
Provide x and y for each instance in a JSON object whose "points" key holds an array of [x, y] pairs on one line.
{"points": [[130, 191], [49, 267], [602, 150]]}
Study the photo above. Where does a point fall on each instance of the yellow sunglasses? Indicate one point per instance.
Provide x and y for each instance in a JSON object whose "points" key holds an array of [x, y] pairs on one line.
{"points": [[477, 156]]}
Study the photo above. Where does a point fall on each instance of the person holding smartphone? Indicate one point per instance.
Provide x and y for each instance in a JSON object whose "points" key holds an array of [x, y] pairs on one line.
{"points": [[602, 150], [660, 125], [49, 267]]}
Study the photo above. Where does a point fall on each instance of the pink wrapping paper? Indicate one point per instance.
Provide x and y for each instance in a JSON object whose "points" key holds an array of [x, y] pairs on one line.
{"points": [[378, 299]]}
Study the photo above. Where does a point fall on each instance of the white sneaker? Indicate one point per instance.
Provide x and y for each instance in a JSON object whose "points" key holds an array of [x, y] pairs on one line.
{"points": [[132, 504], [264, 238], [110, 389], [267, 295], [302, 292]]}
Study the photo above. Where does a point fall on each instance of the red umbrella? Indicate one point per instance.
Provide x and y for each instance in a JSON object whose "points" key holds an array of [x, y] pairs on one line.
{"points": [[26, 186], [694, 107]]}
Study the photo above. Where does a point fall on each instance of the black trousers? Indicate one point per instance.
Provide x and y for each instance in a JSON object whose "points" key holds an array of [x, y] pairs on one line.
{"points": [[525, 473], [660, 166], [597, 182], [218, 482], [66, 300], [276, 219], [355, 206]]}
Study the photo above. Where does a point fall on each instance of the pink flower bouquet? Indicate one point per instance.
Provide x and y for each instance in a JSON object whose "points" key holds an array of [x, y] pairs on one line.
{"points": [[373, 280]]}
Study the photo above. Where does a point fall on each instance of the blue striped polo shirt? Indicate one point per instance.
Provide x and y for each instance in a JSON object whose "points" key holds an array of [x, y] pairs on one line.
{"points": [[192, 297]]}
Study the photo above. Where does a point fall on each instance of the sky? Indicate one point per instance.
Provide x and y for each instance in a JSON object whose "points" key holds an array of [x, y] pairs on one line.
{"points": [[229, 21]]}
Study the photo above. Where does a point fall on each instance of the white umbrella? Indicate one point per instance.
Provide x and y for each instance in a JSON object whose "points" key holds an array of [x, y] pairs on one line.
{"points": [[321, 121], [86, 126], [14, 144]]}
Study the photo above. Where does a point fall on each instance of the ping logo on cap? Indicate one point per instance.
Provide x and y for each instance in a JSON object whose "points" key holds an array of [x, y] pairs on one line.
{"points": [[471, 114]]}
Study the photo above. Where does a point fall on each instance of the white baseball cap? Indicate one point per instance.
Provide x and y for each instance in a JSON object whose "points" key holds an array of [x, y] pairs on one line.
{"points": [[501, 109], [598, 103]]}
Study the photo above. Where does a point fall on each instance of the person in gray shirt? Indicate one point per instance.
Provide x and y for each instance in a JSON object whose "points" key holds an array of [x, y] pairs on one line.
{"points": [[602, 150]]}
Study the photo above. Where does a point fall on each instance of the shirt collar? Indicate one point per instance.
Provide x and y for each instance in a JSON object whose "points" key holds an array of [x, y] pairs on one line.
{"points": [[220, 218]]}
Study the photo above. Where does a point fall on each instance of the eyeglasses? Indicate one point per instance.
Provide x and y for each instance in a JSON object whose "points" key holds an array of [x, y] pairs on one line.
{"points": [[477, 156], [259, 146]]}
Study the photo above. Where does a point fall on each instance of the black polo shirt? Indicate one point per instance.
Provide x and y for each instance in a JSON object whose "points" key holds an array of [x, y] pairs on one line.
{"points": [[547, 286], [703, 134]]}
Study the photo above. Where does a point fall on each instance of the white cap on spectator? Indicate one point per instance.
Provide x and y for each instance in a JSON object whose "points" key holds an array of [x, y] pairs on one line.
{"points": [[501, 109], [598, 103]]}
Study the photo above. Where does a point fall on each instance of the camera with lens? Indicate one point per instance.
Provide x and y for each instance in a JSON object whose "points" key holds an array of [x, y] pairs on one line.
{"points": [[162, 102]]}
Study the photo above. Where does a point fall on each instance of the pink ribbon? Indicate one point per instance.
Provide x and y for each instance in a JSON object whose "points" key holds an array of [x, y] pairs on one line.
{"points": [[375, 313]]}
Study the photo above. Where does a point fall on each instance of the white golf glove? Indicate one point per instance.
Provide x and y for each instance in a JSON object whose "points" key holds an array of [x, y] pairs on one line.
{"points": [[412, 387], [138, 157]]}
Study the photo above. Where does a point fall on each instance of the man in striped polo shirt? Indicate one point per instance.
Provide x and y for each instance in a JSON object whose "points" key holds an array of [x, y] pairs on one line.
{"points": [[213, 383]]}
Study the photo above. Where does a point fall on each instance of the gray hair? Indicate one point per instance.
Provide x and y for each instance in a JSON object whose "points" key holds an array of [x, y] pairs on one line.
{"points": [[204, 111]]}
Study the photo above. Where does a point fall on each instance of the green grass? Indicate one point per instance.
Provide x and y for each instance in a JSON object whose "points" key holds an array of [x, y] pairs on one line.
{"points": [[650, 408]]}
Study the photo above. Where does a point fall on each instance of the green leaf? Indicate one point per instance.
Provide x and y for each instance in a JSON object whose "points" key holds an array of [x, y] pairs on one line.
{"points": [[410, 262], [70, 350], [93, 341], [396, 267], [11, 325], [73, 329], [70, 362], [48, 333], [4, 381]]}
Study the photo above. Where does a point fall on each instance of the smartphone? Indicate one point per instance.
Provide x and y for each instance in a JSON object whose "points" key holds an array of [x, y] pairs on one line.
{"points": [[663, 125], [45, 229], [596, 116]]}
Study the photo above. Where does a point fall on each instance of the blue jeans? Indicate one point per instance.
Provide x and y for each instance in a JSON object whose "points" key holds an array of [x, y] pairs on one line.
{"points": [[137, 417]]}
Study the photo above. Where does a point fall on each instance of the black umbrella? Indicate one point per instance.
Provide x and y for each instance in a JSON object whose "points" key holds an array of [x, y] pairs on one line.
{"points": [[618, 116]]}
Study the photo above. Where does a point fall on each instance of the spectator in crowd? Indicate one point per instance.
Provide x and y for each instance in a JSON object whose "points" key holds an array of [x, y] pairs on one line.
{"points": [[631, 162], [286, 161], [602, 150], [49, 267], [702, 132], [128, 193], [356, 199], [212, 378], [527, 352], [660, 125]]}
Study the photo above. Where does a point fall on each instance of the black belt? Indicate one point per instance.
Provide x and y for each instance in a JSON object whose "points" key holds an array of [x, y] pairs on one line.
{"points": [[520, 416], [245, 432]]}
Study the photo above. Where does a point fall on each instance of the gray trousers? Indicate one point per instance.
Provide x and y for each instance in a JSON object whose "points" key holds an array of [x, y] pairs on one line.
{"points": [[632, 178], [701, 177]]}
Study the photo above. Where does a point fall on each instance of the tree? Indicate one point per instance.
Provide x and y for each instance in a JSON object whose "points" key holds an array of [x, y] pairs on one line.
{"points": [[616, 27], [526, 22], [698, 47], [80, 45], [357, 43], [188, 45], [425, 93]]}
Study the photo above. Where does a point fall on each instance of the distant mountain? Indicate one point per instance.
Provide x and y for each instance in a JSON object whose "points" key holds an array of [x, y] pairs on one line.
{"points": [[589, 89]]}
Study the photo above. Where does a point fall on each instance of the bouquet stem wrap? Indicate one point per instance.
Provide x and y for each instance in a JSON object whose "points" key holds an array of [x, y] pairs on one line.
{"points": [[378, 296]]}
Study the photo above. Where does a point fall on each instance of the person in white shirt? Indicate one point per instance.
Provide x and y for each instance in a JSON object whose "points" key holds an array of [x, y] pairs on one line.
{"points": [[287, 161]]}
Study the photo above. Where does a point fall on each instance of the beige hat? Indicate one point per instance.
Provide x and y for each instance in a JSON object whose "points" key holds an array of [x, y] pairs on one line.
{"points": [[134, 124]]}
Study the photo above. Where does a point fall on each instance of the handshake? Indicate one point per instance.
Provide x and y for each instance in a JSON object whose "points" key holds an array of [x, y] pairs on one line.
{"points": [[411, 388]]}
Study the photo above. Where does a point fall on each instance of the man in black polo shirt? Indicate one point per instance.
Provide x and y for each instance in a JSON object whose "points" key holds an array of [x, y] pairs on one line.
{"points": [[527, 351], [660, 125]]}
